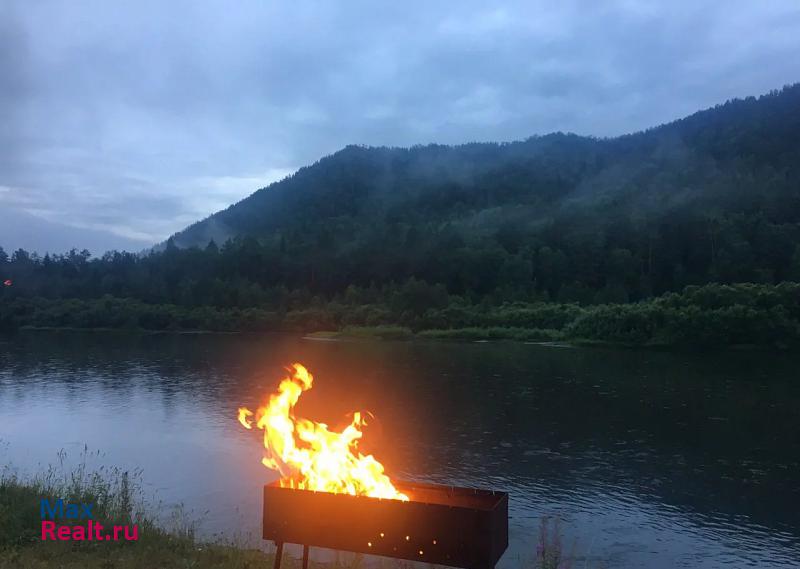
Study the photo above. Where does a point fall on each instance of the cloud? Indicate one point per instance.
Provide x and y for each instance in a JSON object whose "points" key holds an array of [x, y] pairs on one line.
{"points": [[139, 119]]}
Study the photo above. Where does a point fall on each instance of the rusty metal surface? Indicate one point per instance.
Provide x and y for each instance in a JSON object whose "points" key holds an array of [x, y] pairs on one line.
{"points": [[460, 527]]}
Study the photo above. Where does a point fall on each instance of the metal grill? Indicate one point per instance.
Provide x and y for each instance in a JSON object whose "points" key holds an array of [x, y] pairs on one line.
{"points": [[459, 527]]}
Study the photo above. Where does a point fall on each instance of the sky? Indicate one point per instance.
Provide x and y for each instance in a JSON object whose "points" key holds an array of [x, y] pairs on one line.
{"points": [[123, 122]]}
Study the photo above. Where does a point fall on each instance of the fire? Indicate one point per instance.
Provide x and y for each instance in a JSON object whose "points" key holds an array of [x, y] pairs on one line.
{"points": [[308, 454]]}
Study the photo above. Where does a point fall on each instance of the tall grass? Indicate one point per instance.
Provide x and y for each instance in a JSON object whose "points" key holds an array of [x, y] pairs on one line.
{"points": [[118, 500], [549, 548]]}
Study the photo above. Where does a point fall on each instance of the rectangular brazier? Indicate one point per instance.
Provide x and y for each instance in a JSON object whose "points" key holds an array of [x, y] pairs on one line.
{"points": [[460, 527]]}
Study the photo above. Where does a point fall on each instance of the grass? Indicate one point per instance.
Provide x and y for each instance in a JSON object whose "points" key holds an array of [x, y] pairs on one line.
{"points": [[386, 332], [549, 549], [117, 501], [494, 333]]}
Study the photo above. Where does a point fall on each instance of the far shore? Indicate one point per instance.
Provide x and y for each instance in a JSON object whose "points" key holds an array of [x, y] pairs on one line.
{"points": [[369, 334], [705, 317]]}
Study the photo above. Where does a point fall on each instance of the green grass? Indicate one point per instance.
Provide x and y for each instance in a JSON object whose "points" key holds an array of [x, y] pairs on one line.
{"points": [[494, 333], [386, 332], [324, 335], [473, 333], [117, 501]]}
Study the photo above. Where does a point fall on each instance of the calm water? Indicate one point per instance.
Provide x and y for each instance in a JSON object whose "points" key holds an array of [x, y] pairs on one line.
{"points": [[649, 459]]}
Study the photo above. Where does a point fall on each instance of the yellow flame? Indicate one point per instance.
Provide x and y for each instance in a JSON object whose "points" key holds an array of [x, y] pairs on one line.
{"points": [[307, 454]]}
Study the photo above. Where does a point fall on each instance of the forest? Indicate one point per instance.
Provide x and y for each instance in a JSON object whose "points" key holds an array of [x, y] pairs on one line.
{"points": [[603, 233]]}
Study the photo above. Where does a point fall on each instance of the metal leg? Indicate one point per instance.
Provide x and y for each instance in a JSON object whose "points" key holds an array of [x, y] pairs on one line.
{"points": [[278, 555], [305, 557]]}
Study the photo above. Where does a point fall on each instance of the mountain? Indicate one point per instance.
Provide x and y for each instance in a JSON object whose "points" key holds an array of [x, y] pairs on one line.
{"points": [[741, 150], [711, 197]]}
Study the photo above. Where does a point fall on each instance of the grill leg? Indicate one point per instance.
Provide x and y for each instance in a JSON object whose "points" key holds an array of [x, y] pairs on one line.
{"points": [[278, 555], [305, 557]]}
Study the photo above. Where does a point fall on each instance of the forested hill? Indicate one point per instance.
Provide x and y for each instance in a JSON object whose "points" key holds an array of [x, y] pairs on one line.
{"points": [[545, 239], [711, 197]]}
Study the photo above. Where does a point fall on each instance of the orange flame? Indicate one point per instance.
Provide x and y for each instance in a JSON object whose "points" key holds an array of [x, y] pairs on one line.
{"points": [[307, 454]]}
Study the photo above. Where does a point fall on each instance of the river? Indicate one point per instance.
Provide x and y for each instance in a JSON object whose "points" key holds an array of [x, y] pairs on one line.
{"points": [[648, 459]]}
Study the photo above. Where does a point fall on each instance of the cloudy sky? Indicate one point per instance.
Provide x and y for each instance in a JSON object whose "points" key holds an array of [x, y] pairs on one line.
{"points": [[123, 122]]}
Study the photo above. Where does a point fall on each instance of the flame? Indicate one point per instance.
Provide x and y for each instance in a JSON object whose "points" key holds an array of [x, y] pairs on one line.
{"points": [[307, 454]]}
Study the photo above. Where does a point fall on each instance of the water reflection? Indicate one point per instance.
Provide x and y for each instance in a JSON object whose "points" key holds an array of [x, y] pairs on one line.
{"points": [[650, 458]]}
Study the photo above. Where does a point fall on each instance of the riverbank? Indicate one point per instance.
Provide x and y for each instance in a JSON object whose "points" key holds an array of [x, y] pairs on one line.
{"points": [[22, 547], [465, 334], [112, 504], [766, 316]]}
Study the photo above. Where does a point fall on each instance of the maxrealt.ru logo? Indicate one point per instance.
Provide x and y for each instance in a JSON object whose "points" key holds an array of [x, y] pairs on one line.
{"points": [[73, 516]]}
